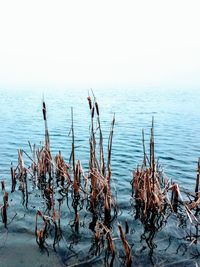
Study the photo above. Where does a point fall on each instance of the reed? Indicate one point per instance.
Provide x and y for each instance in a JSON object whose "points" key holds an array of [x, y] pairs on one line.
{"points": [[13, 178], [151, 194]]}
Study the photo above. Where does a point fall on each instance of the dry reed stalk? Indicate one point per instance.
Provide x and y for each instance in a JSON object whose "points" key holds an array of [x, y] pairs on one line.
{"points": [[41, 234], [26, 189], [197, 181], [175, 197], [110, 248], [46, 127], [22, 177], [126, 228], [44, 165], [44, 155], [4, 209], [98, 242], [152, 156], [34, 165], [147, 192], [110, 150], [2, 186], [73, 149], [128, 261], [144, 149], [194, 204], [107, 206], [62, 170], [146, 184], [102, 167], [13, 178], [76, 181], [76, 195], [76, 222]]}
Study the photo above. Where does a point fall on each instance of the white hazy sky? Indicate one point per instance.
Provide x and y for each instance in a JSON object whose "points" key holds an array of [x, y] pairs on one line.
{"points": [[100, 43]]}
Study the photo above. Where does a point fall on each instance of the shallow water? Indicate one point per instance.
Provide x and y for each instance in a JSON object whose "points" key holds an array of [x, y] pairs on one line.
{"points": [[176, 115]]}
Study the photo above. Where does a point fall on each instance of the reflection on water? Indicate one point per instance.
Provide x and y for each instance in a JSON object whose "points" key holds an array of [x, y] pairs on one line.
{"points": [[177, 145]]}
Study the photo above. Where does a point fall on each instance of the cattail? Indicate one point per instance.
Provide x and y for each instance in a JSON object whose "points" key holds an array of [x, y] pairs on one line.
{"points": [[97, 108], [92, 112], [90, 102], [44, 111]]}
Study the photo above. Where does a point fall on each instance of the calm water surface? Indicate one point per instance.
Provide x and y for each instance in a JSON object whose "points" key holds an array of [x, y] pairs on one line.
{"points": [[176, 114]]}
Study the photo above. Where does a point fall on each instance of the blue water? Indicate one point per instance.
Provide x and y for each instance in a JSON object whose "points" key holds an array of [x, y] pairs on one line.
{"points": [[177, 130], [176, 115]]}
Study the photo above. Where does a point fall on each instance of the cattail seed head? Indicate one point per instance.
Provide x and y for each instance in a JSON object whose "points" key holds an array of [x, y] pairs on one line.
{"points": [[44, 110], [97, 108], [90, 102], [92, 112]]}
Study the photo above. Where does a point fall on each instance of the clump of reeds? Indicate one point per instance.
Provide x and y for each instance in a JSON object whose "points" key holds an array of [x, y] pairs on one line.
{"points": [[20, 174], [150, 193], [100, 172], [42, 174], [147, 184], [54, 176], [62, 171], [156, 198]]}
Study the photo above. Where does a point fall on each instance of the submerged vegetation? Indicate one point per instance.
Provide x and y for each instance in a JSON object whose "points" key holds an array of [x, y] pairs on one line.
{"points": [[91, 204]]}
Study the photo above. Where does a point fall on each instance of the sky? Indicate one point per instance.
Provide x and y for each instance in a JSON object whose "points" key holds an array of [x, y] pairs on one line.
{"points": [[94, 44]]}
